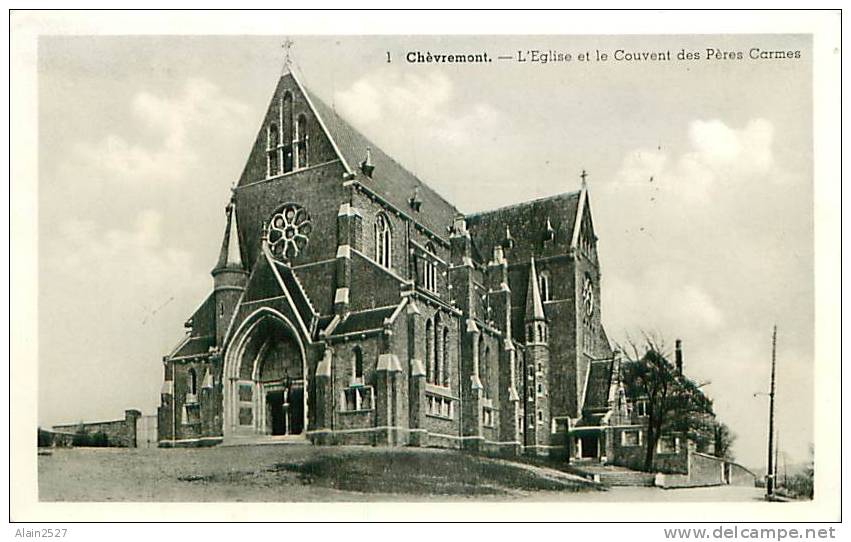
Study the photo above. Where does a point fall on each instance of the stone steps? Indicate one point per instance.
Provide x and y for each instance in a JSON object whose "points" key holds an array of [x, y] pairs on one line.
{"points": [[611, 475], [255, 440]]}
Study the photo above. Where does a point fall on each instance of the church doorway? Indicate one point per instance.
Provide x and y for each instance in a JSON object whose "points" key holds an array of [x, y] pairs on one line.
{"points": [[285, 409], [276, 409], [266, 395], [590, 446]]}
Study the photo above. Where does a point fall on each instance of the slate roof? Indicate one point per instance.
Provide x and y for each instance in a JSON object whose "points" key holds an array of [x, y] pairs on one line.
{"points": [[297, 294], [527, 223], [599, 381], [195, 346], [364, 320], [390, 180], [204, 318]]}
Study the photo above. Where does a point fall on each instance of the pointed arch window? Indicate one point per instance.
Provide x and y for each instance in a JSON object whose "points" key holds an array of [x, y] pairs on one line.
{"points": [[445, 347], [286, 146], [301, 141], [191, 386], [429, 333], [192, 382], [437, 374], [430, 269], [272, 150], [357, 365], [484, 366], [383, 240], [546, 286]]}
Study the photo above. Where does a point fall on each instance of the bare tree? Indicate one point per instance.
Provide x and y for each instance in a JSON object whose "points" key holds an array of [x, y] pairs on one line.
{"points": [[675, 404]]}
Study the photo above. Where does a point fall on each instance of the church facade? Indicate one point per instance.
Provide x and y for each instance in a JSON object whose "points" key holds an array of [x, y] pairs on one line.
{"points": [[352, 304]]}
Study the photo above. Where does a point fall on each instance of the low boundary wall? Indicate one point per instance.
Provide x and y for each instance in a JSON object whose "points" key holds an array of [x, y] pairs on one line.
{"points": [[707, 470]]}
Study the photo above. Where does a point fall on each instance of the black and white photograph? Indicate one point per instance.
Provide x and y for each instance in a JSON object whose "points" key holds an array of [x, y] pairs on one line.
{"points": [[567, 269]]}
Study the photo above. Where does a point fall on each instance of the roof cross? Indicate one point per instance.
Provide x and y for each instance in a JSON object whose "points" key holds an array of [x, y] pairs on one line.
{"points": [[582, 176], [287, 46]]}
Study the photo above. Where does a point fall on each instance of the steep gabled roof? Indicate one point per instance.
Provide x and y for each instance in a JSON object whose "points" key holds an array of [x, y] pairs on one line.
{"points": [[195, 346], [203, 320], [528, 225], [389, 179]]}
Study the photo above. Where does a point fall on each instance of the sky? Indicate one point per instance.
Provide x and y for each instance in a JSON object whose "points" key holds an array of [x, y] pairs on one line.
{"points": [[700, 178]]}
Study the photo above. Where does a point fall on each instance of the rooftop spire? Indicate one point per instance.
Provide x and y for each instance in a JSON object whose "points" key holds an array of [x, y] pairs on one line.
{"points": [[230, 256], [534, 305]]}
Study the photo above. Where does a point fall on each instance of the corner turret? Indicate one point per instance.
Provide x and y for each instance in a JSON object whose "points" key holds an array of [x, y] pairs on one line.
{"points": [[535, 319], [229, 275]]}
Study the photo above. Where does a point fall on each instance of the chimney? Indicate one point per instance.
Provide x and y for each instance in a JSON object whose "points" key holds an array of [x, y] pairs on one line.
{"points": [[678, 356]]}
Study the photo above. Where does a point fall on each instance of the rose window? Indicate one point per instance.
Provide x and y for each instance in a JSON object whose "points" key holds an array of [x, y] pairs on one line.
{"points": [[288, 231]]}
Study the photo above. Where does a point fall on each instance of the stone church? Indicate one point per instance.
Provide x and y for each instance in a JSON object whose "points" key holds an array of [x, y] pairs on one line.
{"points": [[352, 304]]}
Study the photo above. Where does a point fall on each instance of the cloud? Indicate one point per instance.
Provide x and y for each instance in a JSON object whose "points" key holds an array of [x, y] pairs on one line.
{"points": [[161, 139], [688, 307], [694, 303], [111, 303], [129, 263], [717, 156], [427, 105], [698, 236]]}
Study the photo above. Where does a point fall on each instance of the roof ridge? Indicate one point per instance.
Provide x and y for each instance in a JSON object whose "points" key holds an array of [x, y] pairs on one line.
{"points": [[524, 203], [333, 110], [309, 97]]}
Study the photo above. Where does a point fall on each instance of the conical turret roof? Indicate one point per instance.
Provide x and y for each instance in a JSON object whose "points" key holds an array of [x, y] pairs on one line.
{"points": [[534, 305], [230, 256]]}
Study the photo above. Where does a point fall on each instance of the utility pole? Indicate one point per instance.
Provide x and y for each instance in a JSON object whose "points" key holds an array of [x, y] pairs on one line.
{"points": [[776, 457], [769, 479]]}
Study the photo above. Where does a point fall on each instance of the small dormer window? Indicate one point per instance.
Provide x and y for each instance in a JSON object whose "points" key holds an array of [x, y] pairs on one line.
{"points": [[414, 201], [508, 242], [550, 233], [367, 167]]}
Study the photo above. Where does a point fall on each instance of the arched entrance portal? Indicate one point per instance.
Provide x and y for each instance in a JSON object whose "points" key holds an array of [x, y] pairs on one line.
{"points": [[265, 386]]}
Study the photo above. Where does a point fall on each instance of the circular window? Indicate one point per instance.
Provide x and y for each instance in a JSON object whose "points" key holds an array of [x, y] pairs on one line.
{"points": [[288, 231]]}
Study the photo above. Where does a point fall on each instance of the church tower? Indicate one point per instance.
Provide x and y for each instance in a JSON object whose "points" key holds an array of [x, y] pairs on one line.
{"points": [[229, 276], [537, 337]]}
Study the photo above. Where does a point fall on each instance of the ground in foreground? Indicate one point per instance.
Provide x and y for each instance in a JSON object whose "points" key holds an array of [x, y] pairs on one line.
{"points": [[290, 473], [305, 473]]}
